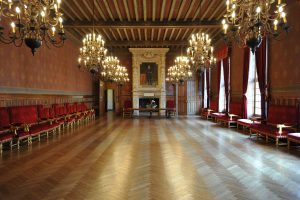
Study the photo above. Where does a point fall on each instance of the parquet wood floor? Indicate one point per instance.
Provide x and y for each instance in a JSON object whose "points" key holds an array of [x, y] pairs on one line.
{"points": [[142, 159]]}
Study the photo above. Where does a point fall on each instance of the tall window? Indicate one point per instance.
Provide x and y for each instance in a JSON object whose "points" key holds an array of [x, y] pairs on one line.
{"points": [[222, 96], [253, 92], [205, 90]]}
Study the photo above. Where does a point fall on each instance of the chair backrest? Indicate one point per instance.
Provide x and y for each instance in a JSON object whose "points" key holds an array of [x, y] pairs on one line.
{"points": [[282, 114], [44, 113], [214, 105], [128, 104], [24, 114], [4, 117], [235, 108], [170, 104]]}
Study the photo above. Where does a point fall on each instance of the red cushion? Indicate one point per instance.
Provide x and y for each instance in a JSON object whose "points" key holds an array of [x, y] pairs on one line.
{"points": [[282, 114], [235, 108], [295, 136], [170, 104], [4, 117], [51, 112], [227, 119], [265, 128], [247, 122], [24, 114], [217, 114], [128, 104], [214, 105], [83, 107], [7, 136], [44, 113]]}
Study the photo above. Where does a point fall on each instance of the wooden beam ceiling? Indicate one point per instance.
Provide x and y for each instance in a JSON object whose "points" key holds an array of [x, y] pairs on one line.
{"points": [[144, 23]]}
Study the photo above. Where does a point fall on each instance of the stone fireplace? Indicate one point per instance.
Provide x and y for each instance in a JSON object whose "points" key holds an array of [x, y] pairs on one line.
{"points": [[145, 102], [148, 85]]}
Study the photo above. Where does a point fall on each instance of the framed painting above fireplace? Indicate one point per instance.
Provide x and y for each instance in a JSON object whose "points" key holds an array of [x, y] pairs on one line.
{"points": [[148, 74]]}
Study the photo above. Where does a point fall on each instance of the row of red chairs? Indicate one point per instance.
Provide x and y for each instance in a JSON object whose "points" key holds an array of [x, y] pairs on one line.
{"points": [[26, 122], [281, 124]]}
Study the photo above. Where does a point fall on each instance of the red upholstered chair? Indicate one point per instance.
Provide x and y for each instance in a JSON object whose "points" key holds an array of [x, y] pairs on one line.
{"points": [[46, 117], [70, 118], [171, 108], [206, 112], [127, 109], [5, 132], [26, 119], [293, 137], [235, 112], [281, 121], [215, 115]]}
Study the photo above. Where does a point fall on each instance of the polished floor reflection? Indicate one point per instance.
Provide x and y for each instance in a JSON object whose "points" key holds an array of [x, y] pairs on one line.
{"points": [[162, 159]]}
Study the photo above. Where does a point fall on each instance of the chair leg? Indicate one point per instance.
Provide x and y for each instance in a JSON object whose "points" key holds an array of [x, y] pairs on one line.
{"points": [[289, 144], [1, 148]]}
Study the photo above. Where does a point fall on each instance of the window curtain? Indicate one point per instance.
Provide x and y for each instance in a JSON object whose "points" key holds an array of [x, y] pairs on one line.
{"points": [[260, 56], [207, 86], [219, 80], [245, 79], [226, 80]]}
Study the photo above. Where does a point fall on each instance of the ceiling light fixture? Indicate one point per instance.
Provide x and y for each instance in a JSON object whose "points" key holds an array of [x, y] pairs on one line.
{"points": [[32, 21], [248, 21]]}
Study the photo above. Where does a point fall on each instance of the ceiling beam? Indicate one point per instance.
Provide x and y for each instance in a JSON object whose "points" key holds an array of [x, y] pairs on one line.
{"points": [[142, 24], [100, 11], [145, 10], [81, 10], [108, 10], [146, 43], [136, 10], [171, 10], [180, 10], [126, 10], [162, 13], [189, 10], [153, 10], [118, 10]]}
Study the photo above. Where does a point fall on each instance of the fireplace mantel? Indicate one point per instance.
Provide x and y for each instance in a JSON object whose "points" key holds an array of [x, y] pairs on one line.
{"points": [[143, 55]]}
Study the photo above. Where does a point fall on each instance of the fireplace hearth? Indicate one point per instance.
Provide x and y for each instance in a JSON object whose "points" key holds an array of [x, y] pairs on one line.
{"points": [[146, 102]]}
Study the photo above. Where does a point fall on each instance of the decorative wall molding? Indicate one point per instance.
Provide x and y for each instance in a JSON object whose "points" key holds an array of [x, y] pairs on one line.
{"points": [[22, 90], [8, 100]]}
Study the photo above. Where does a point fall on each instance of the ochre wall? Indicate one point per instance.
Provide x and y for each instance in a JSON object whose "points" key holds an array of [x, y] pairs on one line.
{"points": [[49, 70], [284, 67]]}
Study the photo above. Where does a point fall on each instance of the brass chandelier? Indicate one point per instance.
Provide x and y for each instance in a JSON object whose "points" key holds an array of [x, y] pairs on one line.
{"points": [[200, 51], [109, 68], [93, 51], [121, 75], [180, 71], [32, 21], [248, 21]]}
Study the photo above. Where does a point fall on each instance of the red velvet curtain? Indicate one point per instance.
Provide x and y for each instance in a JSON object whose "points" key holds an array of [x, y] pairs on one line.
{"points": [[260, 57], [219, 79], [245, 79], [207, 86], [226, 79]]}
